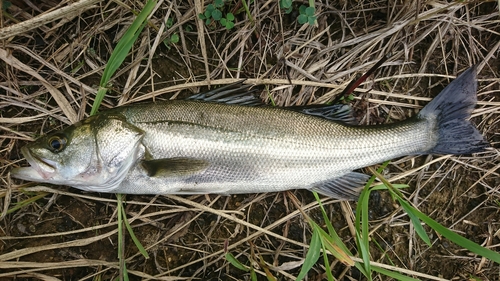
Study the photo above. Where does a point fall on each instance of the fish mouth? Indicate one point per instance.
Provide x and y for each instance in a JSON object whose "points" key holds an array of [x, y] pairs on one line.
{"points": [[40, 168]]}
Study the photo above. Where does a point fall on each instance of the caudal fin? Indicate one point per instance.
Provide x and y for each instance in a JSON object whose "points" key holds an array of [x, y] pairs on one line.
{"points": [[452, 109]]}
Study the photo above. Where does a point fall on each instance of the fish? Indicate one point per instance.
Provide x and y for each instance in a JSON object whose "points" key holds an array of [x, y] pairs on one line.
{"points": [[221, 142]]}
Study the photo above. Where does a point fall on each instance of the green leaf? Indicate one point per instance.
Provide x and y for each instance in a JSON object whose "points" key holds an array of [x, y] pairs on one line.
{"points": [[210, 8], [6, 5], [302, 9], [452, 236], [236, 263], [419, 229], [310, 11], [201, 16], [216, 15], [25, 203], [253, 275], [313, 253], [134, 238], [311, 20], [174, 38], [362, 229], [121, 51], [286, 4], [223, 21], [170, 22], [229, 25], [326, 263], [365, 254], [230, 17], [457, 239], [302, 18], [219, 3]]}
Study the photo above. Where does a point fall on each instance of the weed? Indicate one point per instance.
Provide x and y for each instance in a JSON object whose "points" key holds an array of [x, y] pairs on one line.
{"points": [[306, 15], [213, 12], [323, 241], [174, 38], [6, 5], [286, 5]]}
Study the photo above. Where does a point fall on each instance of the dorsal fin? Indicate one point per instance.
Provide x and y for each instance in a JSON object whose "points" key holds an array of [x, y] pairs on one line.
{"points": [[235, 93]]}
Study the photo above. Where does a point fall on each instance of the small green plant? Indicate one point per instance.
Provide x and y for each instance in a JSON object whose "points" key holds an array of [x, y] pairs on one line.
{"points": [[286, 5], [6, 5], [174, 38], [228, 21], [214, 13], [236, 263], [306, 15], [169, 23], [188, 28]]}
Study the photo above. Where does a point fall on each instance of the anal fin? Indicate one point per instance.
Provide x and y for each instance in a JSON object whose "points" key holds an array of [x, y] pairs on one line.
{"points": [[337, 112], [345, 187]]}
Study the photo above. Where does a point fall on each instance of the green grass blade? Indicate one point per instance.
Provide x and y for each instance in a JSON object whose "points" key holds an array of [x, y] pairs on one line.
{"points": [[362, 225], [98, 99], [235, 262], [395, 193], [26, 202], [457, 239], [121, 51], [328, 223], [336, 248], [245, 5], [313, 253], [419, 229], [452, 236], [326, 263], [395, 275], [134, 238], [253, 274], [121, 241], [362, 231], [126, 42], [383, 187]]}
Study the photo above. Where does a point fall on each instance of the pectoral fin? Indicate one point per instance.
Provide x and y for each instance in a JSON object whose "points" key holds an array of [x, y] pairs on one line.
{"points": [[174, 167], [346, 187]]}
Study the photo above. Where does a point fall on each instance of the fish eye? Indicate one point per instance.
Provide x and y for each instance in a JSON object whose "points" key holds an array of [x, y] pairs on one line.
{"points": [[57, 143]]}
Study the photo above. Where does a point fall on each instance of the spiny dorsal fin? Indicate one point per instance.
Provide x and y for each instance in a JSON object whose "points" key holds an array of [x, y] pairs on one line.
{"points": [[235, 93]]}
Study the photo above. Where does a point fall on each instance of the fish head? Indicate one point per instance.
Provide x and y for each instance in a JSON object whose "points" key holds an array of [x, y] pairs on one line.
{"points": [[92, 155]]}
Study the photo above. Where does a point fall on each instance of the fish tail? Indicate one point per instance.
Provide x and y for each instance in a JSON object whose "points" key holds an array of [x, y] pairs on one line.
{"points": [[451, 110]]}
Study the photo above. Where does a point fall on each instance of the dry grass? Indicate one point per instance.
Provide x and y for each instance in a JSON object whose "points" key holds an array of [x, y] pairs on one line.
{"points": [[50, 69]]}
